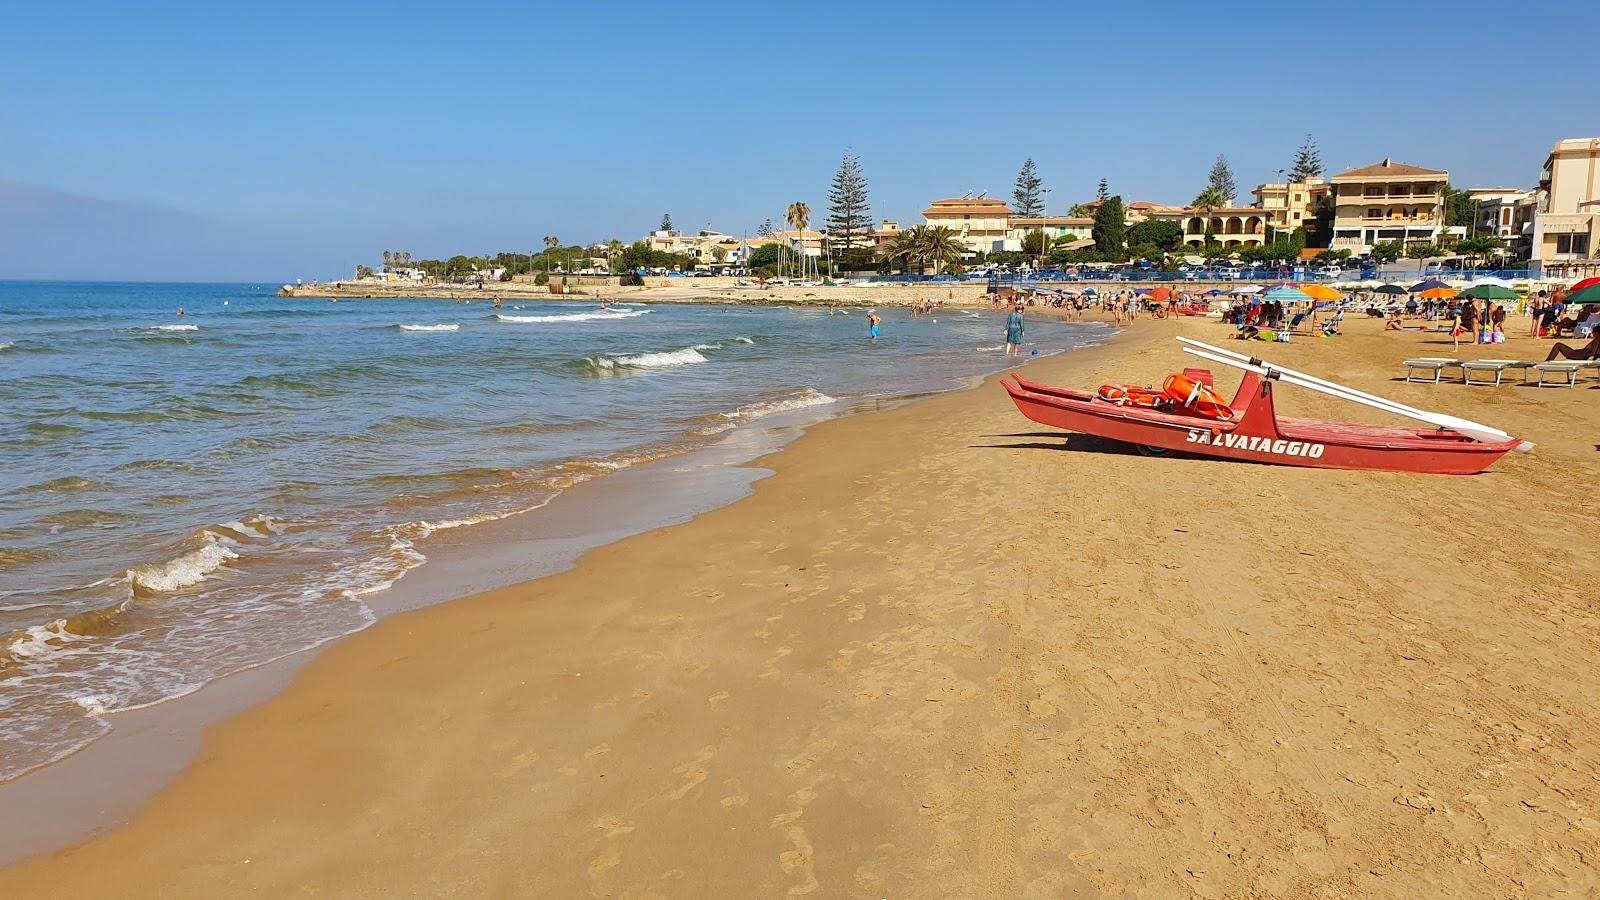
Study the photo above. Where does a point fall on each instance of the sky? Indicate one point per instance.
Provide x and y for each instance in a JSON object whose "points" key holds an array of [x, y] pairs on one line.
{"points": [[206, 141]]}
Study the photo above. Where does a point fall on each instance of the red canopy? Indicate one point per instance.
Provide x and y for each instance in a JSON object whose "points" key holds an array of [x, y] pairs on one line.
{"points": [[1161, 294], [1587, 282]]}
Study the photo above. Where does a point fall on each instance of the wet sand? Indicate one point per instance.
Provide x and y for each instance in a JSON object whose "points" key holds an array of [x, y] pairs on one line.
{"points": [[945, 652]]}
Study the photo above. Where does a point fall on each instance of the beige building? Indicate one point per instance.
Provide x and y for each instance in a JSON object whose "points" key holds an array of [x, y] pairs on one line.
{"points": [[1388, 201], [1506, 213], [980, 222], [1289, 205], [1054, 227], [1566, 226]]}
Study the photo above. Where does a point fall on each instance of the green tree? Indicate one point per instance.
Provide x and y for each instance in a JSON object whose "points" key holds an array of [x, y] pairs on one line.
{"points": [[849, 217], [1221, 180], [551, 242], [720, 254], [1476, 247], [1078, 211], [1459, 208], [1025, 199], [1102, 193], [799, 216], [1387, 251], [363, 271], [613, 253], [387, 257], [1424, 251], [1033, 243], [765, 230], [666, 222], [458, 266], [1307, 162], [765, 256], [1110, 226], [1161, 233]]}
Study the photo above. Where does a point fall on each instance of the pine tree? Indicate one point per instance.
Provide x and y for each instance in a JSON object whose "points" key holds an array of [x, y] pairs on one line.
{"points": [[1103, 193], [766, 228], [666, 222], [1025, 199], [1307, 163], [1110, 227], [1221, 180], [849, 216]]}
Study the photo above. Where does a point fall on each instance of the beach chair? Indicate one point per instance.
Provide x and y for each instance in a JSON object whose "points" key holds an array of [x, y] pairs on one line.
{"points": [[1434, 365], [1558, 374], [1331, 326], [1494, 367]]}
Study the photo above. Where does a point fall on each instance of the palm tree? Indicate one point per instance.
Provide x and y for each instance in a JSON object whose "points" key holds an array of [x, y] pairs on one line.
{"points": [[550, 243], [941, 245], [799, 216], [386, 258], [613, 252], [1210, 200], [405, 259]]}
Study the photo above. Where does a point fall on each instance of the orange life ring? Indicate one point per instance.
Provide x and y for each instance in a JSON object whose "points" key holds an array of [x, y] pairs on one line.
{"points": [[1196, 397], [1127, 395]]}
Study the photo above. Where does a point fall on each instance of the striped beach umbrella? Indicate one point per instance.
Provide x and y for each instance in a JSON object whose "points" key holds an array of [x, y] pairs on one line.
{"points": [[1286, 293]]}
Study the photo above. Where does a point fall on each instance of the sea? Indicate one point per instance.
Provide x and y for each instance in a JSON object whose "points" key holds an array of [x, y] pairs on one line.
{"points": [[187, 496]]}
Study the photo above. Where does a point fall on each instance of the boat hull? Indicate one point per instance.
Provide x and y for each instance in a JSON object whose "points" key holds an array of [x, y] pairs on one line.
{"points": [[1256, 434]]}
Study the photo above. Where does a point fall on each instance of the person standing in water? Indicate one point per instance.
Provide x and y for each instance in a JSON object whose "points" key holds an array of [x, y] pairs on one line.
{"points": [[872, 324], [1014, 331]]}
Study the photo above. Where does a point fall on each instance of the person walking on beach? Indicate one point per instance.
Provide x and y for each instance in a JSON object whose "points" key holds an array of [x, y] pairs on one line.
{"points": [[1466, 322], [1014, 331], [872, 324]]}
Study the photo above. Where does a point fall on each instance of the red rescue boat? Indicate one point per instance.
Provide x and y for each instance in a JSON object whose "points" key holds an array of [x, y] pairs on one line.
{"points": [[1250, 429]]}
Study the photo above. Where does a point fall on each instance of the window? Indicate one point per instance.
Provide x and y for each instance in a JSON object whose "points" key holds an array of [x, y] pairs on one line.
{"points": [[1576, 244], [1374, 213]]}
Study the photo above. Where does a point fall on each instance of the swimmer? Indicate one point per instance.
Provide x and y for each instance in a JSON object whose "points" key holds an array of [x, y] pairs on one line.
{"points": [[180, 310], [872, 324]]}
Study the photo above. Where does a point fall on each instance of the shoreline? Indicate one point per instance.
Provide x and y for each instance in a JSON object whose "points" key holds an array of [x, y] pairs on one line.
{"points": [[150, 745], [942, 650]]}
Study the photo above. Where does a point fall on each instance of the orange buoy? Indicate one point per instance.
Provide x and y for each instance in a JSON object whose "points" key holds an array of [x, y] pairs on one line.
{"points": [[1196, 397]]}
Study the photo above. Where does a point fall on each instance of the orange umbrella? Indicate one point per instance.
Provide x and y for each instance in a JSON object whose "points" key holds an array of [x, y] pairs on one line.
{"points": [[1161, 294], [1438, 293], [1321, 292]]}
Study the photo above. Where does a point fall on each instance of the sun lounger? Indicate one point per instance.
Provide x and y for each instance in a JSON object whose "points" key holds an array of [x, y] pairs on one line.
{"points": [[1428, 364], [1495, 367], [1558, 374]]}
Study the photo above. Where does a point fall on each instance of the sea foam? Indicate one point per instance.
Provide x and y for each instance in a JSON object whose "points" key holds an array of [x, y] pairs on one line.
{"points": [[176, 328], [184, 570], [599, 315], [666, 359], [452, 327]]}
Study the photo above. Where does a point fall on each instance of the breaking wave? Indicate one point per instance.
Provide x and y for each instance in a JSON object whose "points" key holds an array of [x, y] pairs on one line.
{"points": [[452, 327], [666, 359], [599, 315]]}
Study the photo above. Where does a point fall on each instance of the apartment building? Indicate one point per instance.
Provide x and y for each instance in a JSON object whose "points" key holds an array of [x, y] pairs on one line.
{"points": [[1387, 201], [980, 222], [1565, 240]]}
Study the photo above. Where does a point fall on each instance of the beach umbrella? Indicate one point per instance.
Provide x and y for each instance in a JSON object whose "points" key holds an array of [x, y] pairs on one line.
{"points": [[1390, 289], [1488, 280], [1214, 292], [1090, 290], [1442, 292], [1590, 294], [1247, 289], [1320, 292], [1489, 292], [1586, 283], [1427, 284], [1286, 293], [1161, 294], [1141, 291]]}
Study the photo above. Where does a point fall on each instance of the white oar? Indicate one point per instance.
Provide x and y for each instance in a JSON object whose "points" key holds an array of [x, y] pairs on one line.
{"points": [[1460, 426], [1347, 392]]}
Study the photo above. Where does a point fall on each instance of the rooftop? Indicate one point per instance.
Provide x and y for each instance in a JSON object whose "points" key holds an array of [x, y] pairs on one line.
{"points": [[1389, 169]]}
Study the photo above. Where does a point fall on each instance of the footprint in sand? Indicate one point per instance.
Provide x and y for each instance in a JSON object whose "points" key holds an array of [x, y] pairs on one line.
{"points": [[808, 757], [518, 763], [718, 697], [693, 772], [613, 826], [597, 750], [738, 798]]}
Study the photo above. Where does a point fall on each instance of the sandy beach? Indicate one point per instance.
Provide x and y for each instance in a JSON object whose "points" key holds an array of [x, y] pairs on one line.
{"points": [[945, 652]]}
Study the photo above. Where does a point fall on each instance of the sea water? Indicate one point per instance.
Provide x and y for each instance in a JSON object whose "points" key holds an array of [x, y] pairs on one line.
{"points": [[185, 497]]}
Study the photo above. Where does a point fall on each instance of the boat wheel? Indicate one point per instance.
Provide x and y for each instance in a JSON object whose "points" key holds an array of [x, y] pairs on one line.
{"points": [[1148, 450]]}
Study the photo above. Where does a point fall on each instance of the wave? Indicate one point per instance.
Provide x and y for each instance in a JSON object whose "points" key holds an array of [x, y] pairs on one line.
{"points": [[60, 485], [213, 548], [451, 327], [801, 399], [170, 328], [577, 317], [6, 345], [666, 359]]}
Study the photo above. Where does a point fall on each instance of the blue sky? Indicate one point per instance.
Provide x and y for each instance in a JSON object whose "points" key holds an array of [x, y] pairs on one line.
{"points": [[305, 137]]}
